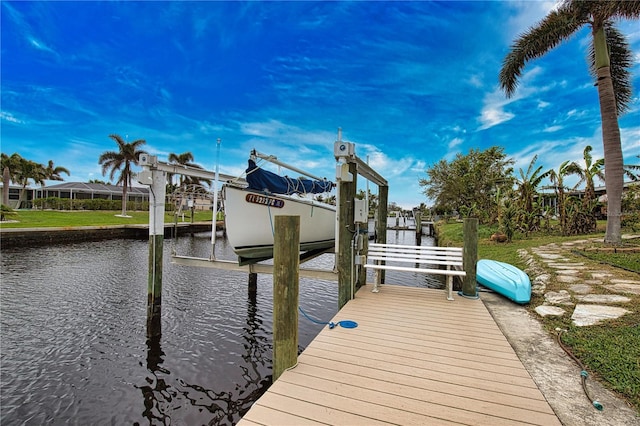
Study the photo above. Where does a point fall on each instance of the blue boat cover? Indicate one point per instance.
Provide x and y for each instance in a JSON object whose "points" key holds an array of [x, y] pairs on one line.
{"points": [[264, 180]]}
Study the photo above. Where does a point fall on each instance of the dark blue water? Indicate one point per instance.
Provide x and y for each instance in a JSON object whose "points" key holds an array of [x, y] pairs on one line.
{"points": [[74, 346]]}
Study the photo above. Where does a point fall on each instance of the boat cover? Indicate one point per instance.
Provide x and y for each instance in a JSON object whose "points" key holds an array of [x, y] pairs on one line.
{"points": [[264, 180]]}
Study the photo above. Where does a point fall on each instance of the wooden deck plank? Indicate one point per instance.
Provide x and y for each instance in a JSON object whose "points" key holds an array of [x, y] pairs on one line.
{"points": [[261, 412], [412, 400], [485, 383], [424, 350], [342, 405], [419, 393], [441, 364], [320, 410], [415, 358], [514, 400], [451, 342]]}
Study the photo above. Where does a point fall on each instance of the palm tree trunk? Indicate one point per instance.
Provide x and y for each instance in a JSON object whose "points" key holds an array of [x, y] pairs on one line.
{"points": [[6, 180], [613, 163], [124, 199]]}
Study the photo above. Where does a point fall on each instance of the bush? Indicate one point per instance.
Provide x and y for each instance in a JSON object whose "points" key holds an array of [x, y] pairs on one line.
{"points": [[55, 203], [6, 211]]}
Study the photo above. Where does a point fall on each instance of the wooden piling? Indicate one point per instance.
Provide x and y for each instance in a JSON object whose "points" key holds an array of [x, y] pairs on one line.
{"points": [[470, 256], [417, 216], [381, 226], [253, 282], [345, 237], [286, 264], [156, 244]]}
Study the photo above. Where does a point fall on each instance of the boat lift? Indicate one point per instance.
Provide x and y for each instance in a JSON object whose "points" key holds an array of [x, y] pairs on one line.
{"points": [[154, 174], [349, 241]]}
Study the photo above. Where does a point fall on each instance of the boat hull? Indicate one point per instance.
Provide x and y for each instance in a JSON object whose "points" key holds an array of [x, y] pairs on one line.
{"points": [[504, 279], [250, 217]]}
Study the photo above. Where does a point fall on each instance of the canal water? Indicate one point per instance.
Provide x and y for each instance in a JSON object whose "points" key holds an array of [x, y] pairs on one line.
{"points": [[74, 347]]}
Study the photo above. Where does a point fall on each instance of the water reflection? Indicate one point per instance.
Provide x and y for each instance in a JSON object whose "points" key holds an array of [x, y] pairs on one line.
{"points": [[77, 347], [157, 391], [216, 406]]}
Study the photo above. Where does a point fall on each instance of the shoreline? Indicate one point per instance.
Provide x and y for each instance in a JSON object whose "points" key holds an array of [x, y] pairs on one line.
{"points": [[28, 237]]}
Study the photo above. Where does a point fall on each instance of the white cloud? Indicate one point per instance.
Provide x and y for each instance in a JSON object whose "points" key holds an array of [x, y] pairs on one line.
{"points": [[493, 112], [7, 116], [455, 142], [41, 46], [492, 115]]}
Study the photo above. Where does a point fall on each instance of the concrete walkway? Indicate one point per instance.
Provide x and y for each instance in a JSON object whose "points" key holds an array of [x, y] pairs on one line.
{"points": [[589, 293]]}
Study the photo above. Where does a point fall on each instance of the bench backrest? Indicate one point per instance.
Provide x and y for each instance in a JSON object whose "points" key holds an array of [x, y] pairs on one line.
{"points": [[448, 256]]}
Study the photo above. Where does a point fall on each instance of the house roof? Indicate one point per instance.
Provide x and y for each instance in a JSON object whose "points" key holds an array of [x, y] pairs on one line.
{"points": [[96, 188]]}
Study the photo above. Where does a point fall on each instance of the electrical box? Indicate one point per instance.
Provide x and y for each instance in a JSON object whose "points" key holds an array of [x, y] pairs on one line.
{"points": [[145, 177], [360, 213], [343, 149], [147, 160]]}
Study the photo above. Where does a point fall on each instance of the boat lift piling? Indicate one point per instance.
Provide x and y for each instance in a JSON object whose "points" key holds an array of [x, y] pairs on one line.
{"points": [[349, 244], [154, 174]]}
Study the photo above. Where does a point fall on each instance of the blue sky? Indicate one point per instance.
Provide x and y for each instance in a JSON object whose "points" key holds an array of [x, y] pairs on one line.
{"points": [[410, 83]]}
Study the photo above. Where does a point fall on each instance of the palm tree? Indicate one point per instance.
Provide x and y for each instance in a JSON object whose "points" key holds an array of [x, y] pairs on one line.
{"points": [[610, 60], [126, 156], [53, 173], [27, 170], [528, 189], [9, 165], [591, 170], [557, 179], [186, 159]]}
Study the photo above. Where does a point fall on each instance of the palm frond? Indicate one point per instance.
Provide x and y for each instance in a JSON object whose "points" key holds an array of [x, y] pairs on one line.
{"points": [[556, 27]]}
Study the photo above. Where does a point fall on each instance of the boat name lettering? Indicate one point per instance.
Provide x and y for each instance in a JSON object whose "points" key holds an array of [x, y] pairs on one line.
{"points": [[266, 201]]}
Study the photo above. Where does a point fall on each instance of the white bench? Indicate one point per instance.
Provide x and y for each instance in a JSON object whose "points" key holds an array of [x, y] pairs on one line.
{"points": [[451, 257]]}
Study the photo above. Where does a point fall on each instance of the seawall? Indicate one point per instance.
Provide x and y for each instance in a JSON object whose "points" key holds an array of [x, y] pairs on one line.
{"points": [[28, 237]]}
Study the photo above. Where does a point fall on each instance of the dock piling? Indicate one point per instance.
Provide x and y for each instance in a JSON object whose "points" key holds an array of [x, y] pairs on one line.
{"points": [[470, 256], [286, 262], [156, 245], [347, 191]]}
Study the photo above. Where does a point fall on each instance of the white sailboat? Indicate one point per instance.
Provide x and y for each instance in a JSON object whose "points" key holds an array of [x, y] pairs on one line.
{"points": [[250, 212]]}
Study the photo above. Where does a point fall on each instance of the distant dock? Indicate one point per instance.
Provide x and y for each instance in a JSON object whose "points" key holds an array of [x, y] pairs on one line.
{"points": [[415, 358]]}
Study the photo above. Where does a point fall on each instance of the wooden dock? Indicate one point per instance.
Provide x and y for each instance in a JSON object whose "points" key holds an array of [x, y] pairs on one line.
{"points": [[414, 359]]}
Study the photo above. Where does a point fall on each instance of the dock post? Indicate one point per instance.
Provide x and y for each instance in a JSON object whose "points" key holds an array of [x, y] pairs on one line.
{"points": [[347, 193], [470, 256], [253, 283], [381, 226], [286, 264], [156, 244], [417, 216]]}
